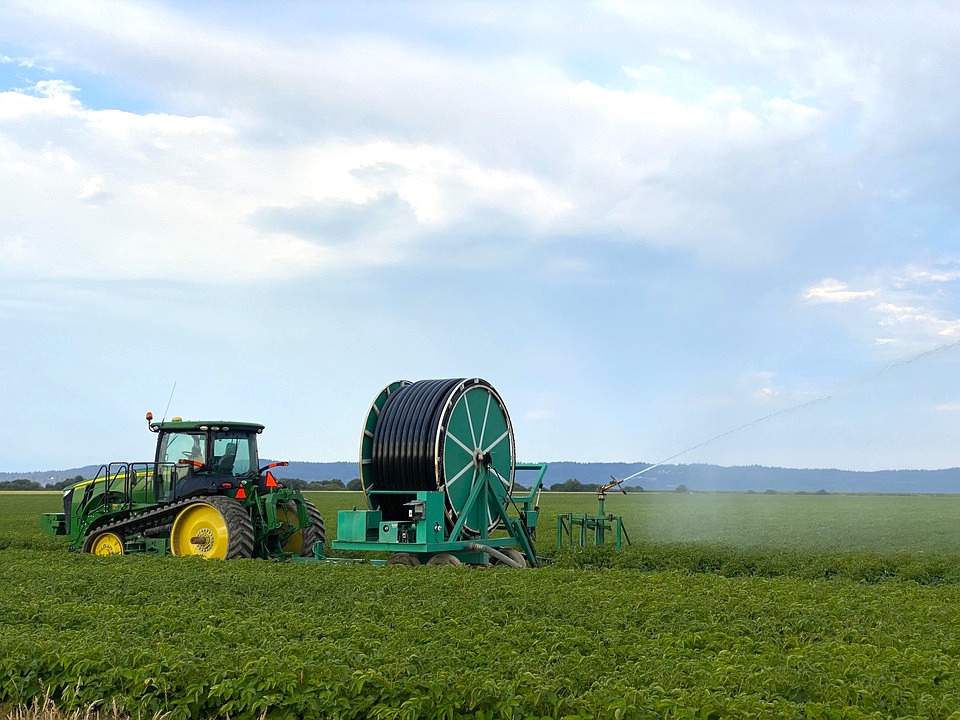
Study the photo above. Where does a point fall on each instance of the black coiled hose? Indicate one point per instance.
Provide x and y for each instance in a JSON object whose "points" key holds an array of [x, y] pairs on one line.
{"points": [[404, 443]]}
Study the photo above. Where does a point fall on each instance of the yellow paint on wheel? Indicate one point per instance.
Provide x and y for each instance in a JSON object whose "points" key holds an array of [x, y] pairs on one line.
{"points": [[201, 530], [107, 543], [288, 516]]}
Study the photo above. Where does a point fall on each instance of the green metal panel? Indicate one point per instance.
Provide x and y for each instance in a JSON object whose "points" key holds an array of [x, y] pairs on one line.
{"points": [[425, 534], [358, 525], [54, 523], [390, 532]]}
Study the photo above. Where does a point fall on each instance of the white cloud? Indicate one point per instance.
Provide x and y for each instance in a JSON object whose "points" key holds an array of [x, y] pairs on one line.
{"points": [[566, 155], [761, 386], [767, 393], [93, 191], [917, 319], [644, 73], [919, 274], [27, 63], [183, 191], [906, 308], [830, 290], [742, 124], [948, 407]]}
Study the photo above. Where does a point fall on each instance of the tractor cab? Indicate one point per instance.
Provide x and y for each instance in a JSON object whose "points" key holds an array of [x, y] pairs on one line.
{"points": [[204, 455]]}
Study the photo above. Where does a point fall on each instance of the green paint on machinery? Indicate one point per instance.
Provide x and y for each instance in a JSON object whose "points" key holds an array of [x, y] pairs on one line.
{"points": [[203, 494], [438, 465], [576, 529]]}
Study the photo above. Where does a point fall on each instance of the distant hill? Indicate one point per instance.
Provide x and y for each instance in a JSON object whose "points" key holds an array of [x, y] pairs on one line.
{"points": [[755, 478], [758, 478]]}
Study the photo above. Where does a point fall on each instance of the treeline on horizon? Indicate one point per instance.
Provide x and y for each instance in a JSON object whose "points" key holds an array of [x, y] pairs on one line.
{"points": [[295, 483], [569, 485]]}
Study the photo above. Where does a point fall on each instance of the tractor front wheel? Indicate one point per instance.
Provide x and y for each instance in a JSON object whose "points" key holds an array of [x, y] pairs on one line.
{"points": [[104, 543], [216, 528]]}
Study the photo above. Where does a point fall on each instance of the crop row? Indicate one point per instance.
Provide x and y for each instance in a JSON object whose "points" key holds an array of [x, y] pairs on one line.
{"points": [[244, 638], [916, 567]]}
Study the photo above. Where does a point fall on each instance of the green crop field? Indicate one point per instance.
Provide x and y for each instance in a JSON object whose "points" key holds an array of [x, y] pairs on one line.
{"points": [[726, 606], [822, 523]]}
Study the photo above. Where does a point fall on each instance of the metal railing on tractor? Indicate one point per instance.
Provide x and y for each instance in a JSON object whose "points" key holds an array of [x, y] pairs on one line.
{"points": [[116, 484]]}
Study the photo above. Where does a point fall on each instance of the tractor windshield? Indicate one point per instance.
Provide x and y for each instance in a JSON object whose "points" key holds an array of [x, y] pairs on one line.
{"points": [[234, 453], [179, 446]]}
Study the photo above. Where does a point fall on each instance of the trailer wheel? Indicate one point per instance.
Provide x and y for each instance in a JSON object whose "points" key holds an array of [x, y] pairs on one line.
{"points": [[404, 559], [214, 528], [445, 559], [104, 544], [302, 541]]}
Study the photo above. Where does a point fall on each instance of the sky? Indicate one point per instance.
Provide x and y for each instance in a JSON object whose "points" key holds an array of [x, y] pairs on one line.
{"points": [[643, 223]]}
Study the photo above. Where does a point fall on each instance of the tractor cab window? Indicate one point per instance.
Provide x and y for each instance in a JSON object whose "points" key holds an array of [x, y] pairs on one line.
{"points": [[184, 446], [234, 453]]}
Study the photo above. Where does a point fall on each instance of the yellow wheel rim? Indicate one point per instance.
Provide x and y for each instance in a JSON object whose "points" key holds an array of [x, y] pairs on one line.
{"points": [[294, 543], [107, 543], [201, 530]]}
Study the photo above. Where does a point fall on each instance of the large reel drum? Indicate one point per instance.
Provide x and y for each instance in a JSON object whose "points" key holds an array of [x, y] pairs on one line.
{"points": [[439, 435]]}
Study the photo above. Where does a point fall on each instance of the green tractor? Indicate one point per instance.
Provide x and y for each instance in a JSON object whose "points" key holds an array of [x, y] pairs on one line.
{"points": [[204, 495]]}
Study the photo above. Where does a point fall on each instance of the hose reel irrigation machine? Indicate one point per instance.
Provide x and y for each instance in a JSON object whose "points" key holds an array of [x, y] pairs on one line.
{"points": [[438, 467]]}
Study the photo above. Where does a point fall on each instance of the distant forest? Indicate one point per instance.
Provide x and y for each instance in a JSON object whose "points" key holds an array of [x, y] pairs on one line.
{"points": [[561, 477]]}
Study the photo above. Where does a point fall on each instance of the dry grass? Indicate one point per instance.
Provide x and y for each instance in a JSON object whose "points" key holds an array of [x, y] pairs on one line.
{"points": [[46, 710]]}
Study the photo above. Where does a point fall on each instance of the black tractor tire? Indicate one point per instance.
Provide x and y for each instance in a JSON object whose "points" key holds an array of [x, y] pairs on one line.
{"points": [[315, 532], [408, 559], [235, 517]]}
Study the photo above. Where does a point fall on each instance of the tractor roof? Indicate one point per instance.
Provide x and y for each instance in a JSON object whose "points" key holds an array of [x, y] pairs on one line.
{"points": [[187, 425]]}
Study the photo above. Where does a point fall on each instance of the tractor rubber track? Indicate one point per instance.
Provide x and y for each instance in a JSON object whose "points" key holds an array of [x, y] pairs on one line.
{"points": [[138, 522], [238, 522]]}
